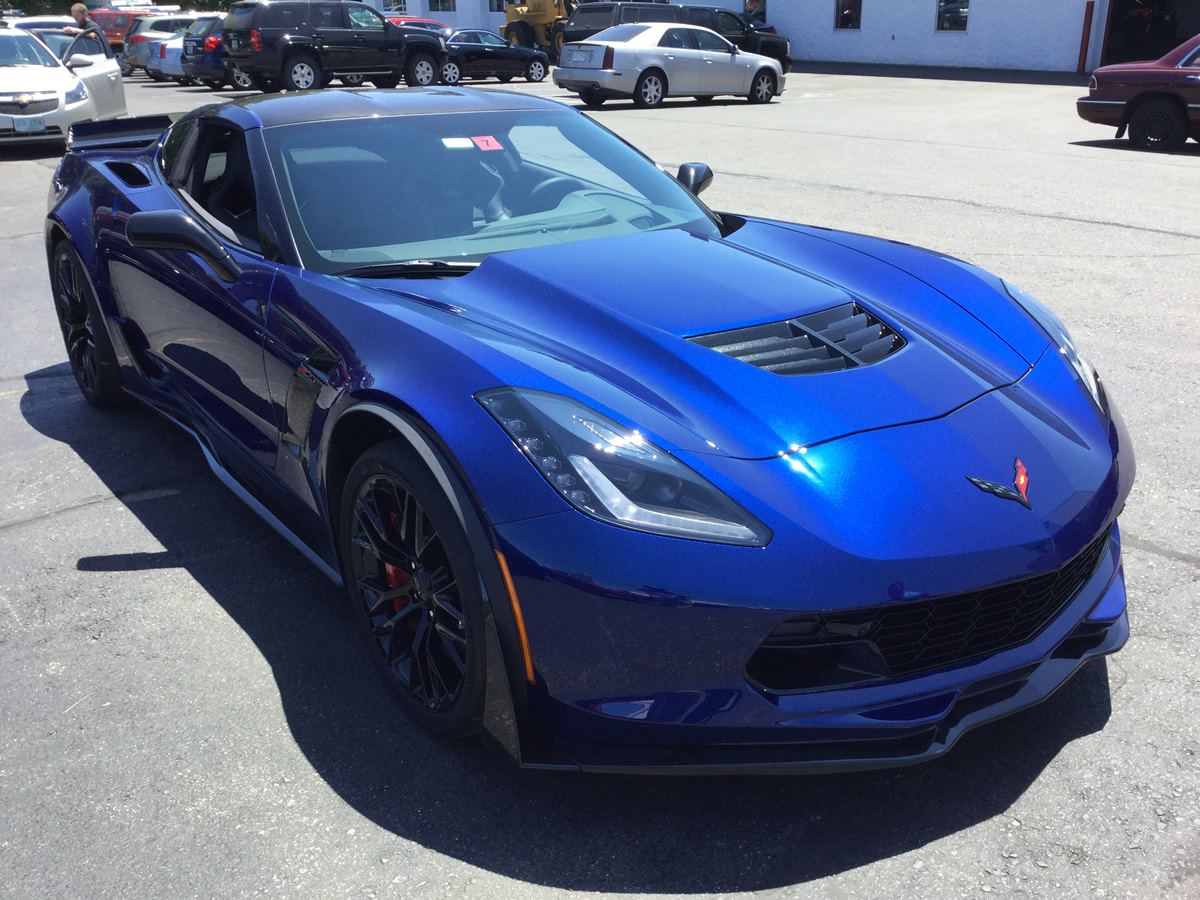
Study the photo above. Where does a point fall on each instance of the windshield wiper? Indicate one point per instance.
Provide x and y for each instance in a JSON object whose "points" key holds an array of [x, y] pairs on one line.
{"points": [[413, 268]]}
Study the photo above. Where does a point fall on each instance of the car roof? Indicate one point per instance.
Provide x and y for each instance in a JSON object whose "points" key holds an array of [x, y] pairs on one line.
{"points": [[267, 111]]}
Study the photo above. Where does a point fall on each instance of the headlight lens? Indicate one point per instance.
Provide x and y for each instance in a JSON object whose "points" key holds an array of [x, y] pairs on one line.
{"points": [[77, 94], [614, 474], [1054, 327]]}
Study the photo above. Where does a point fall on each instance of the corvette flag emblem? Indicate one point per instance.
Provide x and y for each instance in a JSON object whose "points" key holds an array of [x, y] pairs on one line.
{"points": [[1019, 491]]}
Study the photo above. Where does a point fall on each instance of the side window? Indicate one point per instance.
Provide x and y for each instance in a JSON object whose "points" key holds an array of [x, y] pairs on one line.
{"points": [[701, 17], [87, 44], [363, 17], [1194, 62], [729, 25], [675, 38], [492, 40], [218, 179], [327, 15], [172, 144], [712, 43]]}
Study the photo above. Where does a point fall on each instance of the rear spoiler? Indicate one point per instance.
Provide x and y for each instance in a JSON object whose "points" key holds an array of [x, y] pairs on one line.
{"points": [[117, 134]]}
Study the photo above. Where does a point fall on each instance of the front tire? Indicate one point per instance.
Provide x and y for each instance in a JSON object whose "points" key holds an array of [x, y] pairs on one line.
{"points": [[1158, 125], [762, 88], [520, 33], [412, 579], [420, 71], [650, 89], [535, 71], [451, 73], [302, 73], [89, 350]]}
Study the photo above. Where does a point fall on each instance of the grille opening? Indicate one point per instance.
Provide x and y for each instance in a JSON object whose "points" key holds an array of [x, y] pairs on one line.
{"points": [[841, 337], [818, 651]]}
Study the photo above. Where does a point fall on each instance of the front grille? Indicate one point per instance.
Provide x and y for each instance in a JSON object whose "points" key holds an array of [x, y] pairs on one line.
{"points": [[843, 337], [836, 649], [52, 131], [33, 108]]}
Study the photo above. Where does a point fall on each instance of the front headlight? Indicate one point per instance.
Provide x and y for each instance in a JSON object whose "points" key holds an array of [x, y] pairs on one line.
{"points": [[77, 94], [614, 474], [1054, 327]]}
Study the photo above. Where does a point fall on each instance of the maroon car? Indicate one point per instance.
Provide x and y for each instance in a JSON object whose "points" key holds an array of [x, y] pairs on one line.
{"points": [[1159, 101]]}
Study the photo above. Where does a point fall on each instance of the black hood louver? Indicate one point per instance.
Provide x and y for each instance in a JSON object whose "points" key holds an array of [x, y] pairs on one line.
{"points": [[843, 337]]}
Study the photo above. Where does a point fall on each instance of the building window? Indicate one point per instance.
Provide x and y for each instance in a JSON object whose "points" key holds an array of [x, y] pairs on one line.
{"points": [[952, 15], [441, 5], [495, 5], [848, 14], [396, 6]]}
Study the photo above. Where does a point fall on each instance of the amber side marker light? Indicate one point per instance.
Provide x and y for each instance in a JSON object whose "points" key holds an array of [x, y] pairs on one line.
{"points": [[517, 616]]}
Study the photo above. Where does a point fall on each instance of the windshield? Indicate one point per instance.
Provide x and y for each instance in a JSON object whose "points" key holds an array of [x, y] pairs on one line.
{"points": [[19, 49], [462, 187]]}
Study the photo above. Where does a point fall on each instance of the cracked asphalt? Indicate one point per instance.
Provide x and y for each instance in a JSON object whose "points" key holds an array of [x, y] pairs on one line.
{"points": [[187, 711]]}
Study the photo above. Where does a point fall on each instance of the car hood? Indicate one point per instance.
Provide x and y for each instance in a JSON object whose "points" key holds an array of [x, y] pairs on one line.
{"points": [[22, 79], [611, 320]]}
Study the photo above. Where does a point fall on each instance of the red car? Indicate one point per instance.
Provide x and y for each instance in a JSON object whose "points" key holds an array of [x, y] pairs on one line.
{"points": [[114, 22], [1159, 101]]}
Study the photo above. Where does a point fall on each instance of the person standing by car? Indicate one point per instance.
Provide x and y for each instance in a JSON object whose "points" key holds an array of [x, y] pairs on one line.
{"points": [[83, 21]]}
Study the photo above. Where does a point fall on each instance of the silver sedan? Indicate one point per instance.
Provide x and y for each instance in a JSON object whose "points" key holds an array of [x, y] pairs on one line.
{"points": [[650, 61]]}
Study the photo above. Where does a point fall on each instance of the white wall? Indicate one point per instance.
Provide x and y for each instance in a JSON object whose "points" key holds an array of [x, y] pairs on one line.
{"points": [[1041, 35]]}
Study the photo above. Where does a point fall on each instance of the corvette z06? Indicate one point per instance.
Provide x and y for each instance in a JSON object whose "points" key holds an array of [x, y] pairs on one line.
{"points": [[626, 483]]}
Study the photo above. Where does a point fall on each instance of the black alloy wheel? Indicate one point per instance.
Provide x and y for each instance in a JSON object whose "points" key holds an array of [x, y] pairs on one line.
{"points": [[1158, 125], [89, 352], [411, 576]]}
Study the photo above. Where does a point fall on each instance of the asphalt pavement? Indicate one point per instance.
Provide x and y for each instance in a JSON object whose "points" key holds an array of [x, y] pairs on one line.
{"points": [[186, 709]]}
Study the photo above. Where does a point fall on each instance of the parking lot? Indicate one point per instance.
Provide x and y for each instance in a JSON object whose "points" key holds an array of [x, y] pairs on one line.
{"points": [[186, 709]]}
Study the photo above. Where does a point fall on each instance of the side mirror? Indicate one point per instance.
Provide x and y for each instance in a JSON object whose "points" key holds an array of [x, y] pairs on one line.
{"points": [[79, 61], [693, 176], [172, 229]]}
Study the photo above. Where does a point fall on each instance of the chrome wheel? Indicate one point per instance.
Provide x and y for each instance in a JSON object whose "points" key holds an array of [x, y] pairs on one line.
{"points": [[421, 72], [451, 74], [763, 87], [302, 75], [240, 79], [536, 71], [650, 89]]}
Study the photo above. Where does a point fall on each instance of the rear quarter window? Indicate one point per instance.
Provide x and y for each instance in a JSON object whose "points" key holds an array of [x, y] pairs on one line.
{"points": [[284, 15], [591, 19], [661, 14]]}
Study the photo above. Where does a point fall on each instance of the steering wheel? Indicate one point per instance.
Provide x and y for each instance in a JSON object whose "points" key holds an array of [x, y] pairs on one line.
{"points": [[540, 193]]}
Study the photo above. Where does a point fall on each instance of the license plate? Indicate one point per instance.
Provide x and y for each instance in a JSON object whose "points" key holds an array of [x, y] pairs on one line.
{"points": [[29, 123], [580, 56], [190, 49], [234, 43]]}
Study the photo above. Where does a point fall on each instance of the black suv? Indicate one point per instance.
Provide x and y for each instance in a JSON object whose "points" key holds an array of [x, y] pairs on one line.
{"points": [[591, 18], [303, 44]]}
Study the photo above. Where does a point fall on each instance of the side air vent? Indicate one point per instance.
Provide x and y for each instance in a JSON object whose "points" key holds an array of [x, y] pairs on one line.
{"points": [[843, 337], [129, 173]]}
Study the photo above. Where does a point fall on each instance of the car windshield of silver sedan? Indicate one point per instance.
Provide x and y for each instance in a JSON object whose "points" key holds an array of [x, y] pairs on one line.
{"points": [[388, 191], [19, 49]]}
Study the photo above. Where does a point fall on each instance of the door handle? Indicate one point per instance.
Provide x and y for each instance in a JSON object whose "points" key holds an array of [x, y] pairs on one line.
{"points": [[1193, 77], [669, 55]]}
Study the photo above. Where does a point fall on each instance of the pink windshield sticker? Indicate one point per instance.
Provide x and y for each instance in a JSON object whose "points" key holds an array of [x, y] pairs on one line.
{"points": [[487, 142]]}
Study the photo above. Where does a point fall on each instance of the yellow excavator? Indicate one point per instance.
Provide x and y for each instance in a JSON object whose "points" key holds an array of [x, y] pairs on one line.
{"points": [[538, 23]]}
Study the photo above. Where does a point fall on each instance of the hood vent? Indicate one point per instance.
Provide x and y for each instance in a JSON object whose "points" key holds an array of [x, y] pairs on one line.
{"points": [[843, 337]]}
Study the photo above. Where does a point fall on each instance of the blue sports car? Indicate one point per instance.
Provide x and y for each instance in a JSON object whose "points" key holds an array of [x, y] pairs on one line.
{"points": [[626, 483]]}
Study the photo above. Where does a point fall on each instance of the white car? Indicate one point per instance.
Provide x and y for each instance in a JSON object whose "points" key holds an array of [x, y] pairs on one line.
{"points": [[41, 96], [651, 61]]}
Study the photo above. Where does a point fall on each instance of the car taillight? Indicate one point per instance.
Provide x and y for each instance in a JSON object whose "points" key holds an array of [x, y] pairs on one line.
{"points": [[1093, 83], [256, 40], [162, 51], [211, 43], [608, 57], [137, 39]]}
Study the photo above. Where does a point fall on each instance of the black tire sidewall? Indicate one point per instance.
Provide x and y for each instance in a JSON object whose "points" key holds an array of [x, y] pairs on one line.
{"points": [[108, 390], [397, 460], [1137, 126], [410, 70]]}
